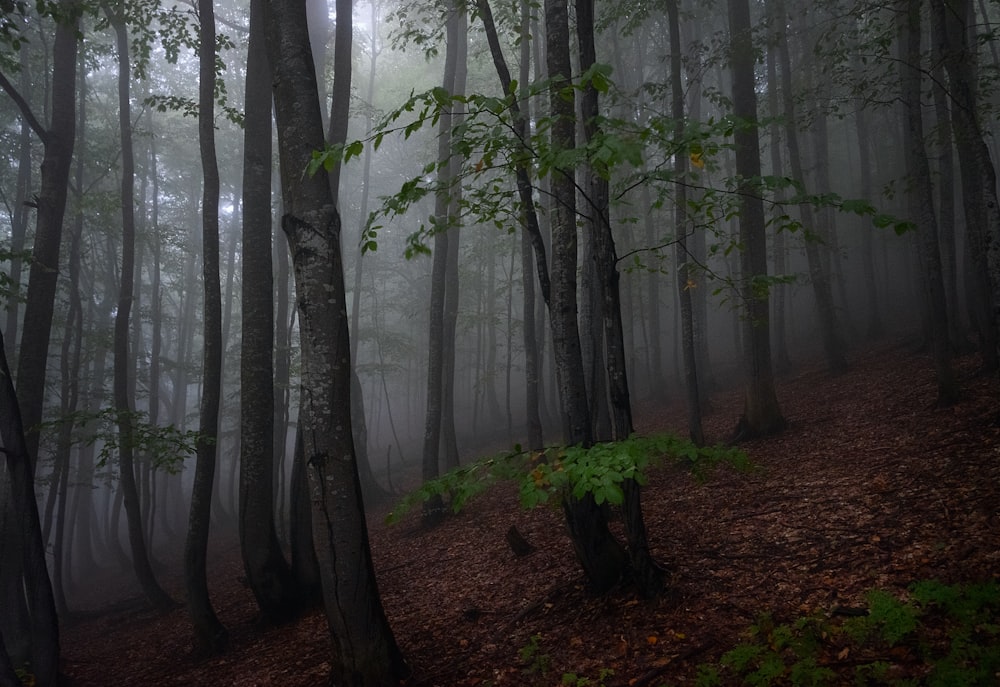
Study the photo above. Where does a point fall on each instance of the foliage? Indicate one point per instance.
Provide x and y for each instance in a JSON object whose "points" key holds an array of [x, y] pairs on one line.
{"points": [[574, 680], [600, 470], [629, 153], [9, 289], [531, 654], [165, 446], [948, 632]]}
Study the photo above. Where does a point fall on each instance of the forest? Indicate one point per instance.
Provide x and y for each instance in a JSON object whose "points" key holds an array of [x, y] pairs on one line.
{"points": [[469, 343]]}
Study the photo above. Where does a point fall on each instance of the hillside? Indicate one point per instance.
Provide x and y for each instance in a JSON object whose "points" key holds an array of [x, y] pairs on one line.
{"points": [[870, 487]]}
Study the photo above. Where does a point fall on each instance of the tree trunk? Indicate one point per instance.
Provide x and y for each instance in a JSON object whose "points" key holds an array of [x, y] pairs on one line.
{"points": [[818, 275], [58, 141], [365, 653], [682, 226], [210, 636], [761, 412], [37, 589], [599, 553], [979, 194], [921, 198], [268, 573], [123, 401]]}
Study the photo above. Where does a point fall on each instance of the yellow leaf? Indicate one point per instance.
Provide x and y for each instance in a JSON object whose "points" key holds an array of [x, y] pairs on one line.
{"points": [[696, 160]]}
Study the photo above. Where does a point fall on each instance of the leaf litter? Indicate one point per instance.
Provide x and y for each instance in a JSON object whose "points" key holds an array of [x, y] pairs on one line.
{"points": [[871, 486]]}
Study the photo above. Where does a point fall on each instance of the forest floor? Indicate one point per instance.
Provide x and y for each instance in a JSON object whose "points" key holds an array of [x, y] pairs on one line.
{"points": [[871, 486]]}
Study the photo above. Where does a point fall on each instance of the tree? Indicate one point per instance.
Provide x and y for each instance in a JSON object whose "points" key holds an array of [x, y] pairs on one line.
{"points": [[434, 412], [818, 274], [365, 653], [600, 554], [210, 636], [920, 194], [682, 226], [44, 623], [761, 412], [58, 142], [531, 243], [155, 594], [979, 194], [267, 571]]}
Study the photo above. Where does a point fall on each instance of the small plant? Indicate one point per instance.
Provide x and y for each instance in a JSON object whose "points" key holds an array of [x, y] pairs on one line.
{"points": [[574, 680], [940, 636], [531, 654]]}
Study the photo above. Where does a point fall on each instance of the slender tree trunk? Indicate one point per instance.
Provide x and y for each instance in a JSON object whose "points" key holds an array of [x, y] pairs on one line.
{"points": [[210, 637], [601, 556], [123, 402], [761, 412], [818, 275], [921, 197], [682, 226], [58, 141], [37, 589], [267, 571]]}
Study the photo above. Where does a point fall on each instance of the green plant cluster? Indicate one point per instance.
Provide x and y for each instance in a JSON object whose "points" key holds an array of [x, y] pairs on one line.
{"points": [[939, 636], [600, 470], [535, 661]]}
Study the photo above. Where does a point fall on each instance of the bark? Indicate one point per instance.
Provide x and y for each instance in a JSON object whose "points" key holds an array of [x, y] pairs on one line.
{"points": [[436, 353], [19, 217], [761, 412], [819, 276], [123, 402], [520, 124], [58, 141], [210, 637], [779, 329], [599, 553], [267, 571], [979, 194], [365, 653], [449, 439], [920, 191], [531, 239], [682, 226], [37, 590], [340, 105], [873, 330]]}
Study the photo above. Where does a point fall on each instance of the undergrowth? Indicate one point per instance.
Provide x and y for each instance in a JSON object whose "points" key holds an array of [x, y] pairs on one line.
{"points": [[600, 470], [937, 635]]}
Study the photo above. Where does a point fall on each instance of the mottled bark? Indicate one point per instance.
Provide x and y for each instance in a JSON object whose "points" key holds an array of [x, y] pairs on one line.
{"points": [[267, 571], [365, 653]]}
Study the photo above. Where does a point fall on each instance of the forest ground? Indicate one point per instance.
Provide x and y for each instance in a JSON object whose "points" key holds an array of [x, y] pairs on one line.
{"points": [[870, 487]]}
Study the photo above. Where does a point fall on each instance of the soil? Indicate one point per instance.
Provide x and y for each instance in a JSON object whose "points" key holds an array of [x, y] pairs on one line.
{"points": [[871, 486]]}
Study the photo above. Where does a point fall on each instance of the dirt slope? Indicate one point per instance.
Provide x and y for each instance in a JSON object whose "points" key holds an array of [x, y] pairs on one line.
{"points": [[871, 486]]}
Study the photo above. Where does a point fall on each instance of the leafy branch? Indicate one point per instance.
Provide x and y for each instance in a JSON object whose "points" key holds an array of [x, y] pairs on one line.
{"points": [[599, 470]]}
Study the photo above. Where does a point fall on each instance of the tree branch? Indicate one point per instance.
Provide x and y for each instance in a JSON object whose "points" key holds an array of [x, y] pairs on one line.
{"points": [[24, 107]]}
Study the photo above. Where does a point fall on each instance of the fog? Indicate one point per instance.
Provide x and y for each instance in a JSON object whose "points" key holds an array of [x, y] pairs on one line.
{"points": [[866, 229]]}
